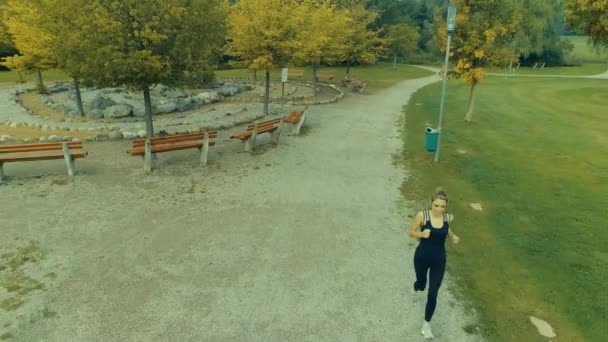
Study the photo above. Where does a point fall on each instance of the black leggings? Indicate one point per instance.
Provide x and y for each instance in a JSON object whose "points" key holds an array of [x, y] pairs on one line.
{"points": [[425, 259]]}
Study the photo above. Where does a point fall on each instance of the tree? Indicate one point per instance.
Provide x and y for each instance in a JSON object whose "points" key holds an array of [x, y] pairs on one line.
{"points": [[323, 35], [64, 21], [7, 45], [589, 16], [483, 37], [57, 37], [33, 43], [141, 43], [394, 12], [6, 41], [539, 34], [263, 35], [363, 45], [402, 41]]}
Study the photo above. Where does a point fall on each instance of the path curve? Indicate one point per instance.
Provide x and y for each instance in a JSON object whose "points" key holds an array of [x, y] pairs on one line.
{"points": [[603, 75], [305, 241]]}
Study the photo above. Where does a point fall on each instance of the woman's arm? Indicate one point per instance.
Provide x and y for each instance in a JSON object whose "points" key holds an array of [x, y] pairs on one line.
{"points": [[416, 224], [455, 238]]}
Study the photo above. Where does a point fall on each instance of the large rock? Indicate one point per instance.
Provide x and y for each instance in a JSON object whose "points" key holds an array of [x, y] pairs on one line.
{"points": [[47, 100], [543, 327], [129, 135], [101, 137], [165, 107], [476, 206], [116, 135], [118, 111], [207, 97], [165, 91], [102, 102], [229, 90], [6, 138], [94, 114], [188, 103], [54, 138], [139, 110], [57, 88]]}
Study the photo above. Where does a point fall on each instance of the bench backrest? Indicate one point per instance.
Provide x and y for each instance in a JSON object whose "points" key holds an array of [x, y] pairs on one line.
{"points": [[265, 125], [58, 146], [169, 139], [293, 117]]}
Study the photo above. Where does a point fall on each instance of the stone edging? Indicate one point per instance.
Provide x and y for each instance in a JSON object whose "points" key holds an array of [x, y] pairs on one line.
{"points": [[116, 132]]}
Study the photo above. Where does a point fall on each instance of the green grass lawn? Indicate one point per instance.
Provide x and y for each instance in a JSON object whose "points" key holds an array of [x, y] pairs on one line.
{"points": [[588, 61], [587, 69], [584, 52], [47, 75], [378, 76], [536, 158]]}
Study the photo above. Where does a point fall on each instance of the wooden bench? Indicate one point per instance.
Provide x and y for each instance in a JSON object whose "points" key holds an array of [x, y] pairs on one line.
{"points": [[324, 77], [147, 146], [248, 136], [295, 73], [48, 151], [297, 119]]}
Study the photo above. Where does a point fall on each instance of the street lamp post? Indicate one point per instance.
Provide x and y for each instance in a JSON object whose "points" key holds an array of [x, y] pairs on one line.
{"points": [[451, 20]]}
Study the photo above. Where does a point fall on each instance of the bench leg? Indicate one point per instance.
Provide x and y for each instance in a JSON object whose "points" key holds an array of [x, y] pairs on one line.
{"points": [[1, 172], [69, 160], [148, 157], [247, 143], [299, 124], [277, 132], [205, 150], [250, 143]]}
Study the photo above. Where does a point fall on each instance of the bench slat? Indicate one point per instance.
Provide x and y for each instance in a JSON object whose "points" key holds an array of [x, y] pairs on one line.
{"points": [[37, 147], [293, 117], [40, 155], [172, 146], [249, 132], [212, 134], [265, 124], [262, 127], [174, 139]]}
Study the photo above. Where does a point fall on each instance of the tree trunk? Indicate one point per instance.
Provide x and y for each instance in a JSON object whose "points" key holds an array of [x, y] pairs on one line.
{"points": [[395, 61], [78, 97], [314, 76], [255, 75], [267, 92], [148, 113], [347, 69], [469, 115], [40, 82], [20, 75]]}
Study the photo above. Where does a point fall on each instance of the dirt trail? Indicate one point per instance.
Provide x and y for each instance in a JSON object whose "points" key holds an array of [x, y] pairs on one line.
{"points": [[305, 241]]}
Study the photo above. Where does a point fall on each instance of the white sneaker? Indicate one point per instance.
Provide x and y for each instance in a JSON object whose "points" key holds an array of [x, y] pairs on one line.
{"points": [[426, 330], [417, 296]]}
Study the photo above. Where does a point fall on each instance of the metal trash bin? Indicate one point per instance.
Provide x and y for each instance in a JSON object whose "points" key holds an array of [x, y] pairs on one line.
{"points": [[430, 139]]}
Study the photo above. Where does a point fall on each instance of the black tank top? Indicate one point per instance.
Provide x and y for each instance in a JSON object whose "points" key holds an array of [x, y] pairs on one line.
{"points": [[438, 236]]}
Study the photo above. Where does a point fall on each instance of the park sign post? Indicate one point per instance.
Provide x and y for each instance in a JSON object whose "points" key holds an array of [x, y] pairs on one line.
{"points": [[284, 73], [451, 26]]}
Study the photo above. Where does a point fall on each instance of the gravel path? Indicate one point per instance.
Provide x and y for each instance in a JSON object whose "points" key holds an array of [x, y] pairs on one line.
{"points": [[303, 241]]}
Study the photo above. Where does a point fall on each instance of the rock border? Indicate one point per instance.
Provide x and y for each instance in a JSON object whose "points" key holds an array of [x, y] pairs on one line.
{"points": [[164, 126]]}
